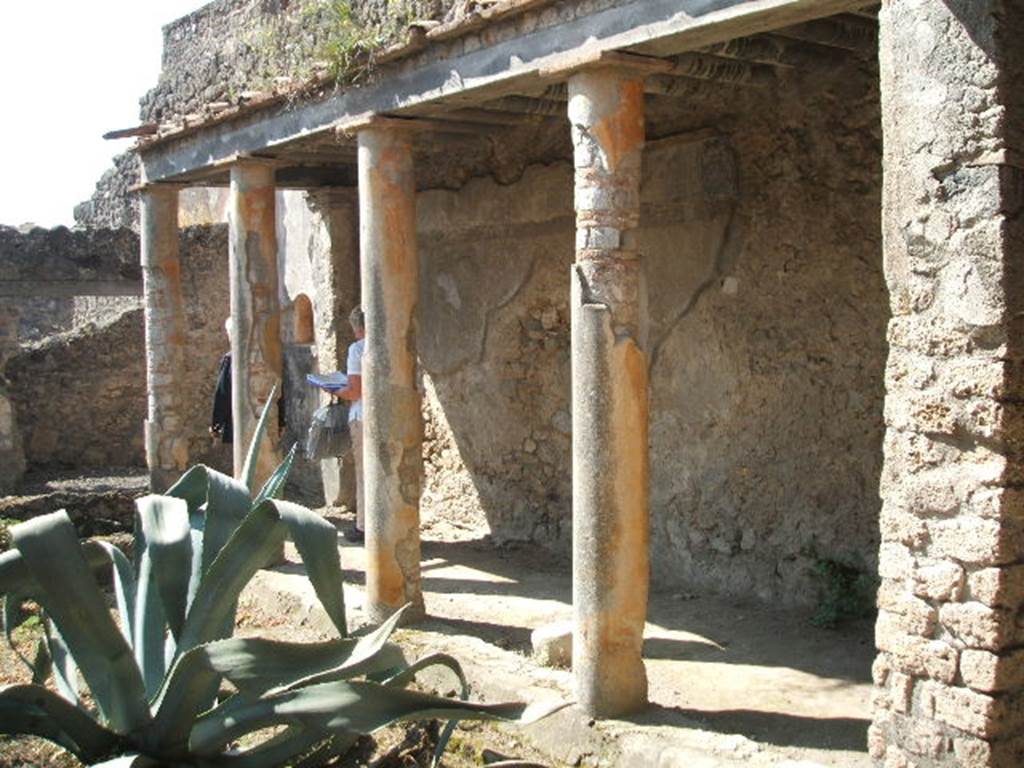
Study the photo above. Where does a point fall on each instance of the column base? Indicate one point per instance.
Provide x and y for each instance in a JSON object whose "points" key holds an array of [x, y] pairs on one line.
{"points": [[617, 690], [378, 613]]}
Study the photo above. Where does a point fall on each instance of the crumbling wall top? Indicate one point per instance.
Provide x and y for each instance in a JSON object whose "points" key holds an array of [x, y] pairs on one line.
{"points": [[230, 51], [68, 256]]}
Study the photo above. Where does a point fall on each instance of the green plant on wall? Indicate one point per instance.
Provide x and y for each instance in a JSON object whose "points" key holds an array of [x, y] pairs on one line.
{"points": [[154, 677], [295, 44], [846, 592]]}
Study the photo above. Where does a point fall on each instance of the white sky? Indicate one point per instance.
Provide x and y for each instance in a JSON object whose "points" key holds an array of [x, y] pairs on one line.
{"points": [[70, 71]]}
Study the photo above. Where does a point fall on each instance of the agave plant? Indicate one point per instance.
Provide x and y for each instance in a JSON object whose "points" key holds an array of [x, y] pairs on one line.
{"points": [[153, 678]]}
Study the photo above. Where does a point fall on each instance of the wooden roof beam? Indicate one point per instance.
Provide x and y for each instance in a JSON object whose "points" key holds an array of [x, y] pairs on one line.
{"points": [[849, 33], [528, 106], [700, 66], [775, 51]]}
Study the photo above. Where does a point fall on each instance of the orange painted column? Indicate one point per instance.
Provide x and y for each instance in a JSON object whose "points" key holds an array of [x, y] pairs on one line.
{"points": [[167, 449], [256, 359], [392, 421], [609, 396]]}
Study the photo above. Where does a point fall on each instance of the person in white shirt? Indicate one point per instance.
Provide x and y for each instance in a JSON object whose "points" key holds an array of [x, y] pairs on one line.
{"points": [[354, 394]]}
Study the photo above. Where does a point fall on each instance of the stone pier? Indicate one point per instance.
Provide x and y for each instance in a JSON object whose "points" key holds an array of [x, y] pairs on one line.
{"points": [[392, 426], [609, 396], [255, 310], [950, 670], [167, 452]]}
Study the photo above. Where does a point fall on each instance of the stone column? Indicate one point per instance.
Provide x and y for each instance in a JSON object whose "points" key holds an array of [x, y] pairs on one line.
{"points": [[950, 669], [392, 422], [256, 359], [337, 286], [167, 453], [609, 396]]}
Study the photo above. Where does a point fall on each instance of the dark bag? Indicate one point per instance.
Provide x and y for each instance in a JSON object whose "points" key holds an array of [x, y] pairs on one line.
{"points": [[328, 434]]}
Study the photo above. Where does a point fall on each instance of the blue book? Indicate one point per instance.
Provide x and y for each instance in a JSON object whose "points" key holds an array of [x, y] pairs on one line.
{"points": [[332, 382]]}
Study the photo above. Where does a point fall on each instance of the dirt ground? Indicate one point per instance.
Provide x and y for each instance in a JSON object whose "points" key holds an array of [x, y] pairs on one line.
{"points": [[756, 684], [742, 683]]}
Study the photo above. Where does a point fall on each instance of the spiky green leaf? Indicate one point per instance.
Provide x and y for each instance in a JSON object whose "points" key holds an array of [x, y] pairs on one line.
{"points": [[150, 630], [342, 706], [65, 673], [32, 710], [124, 586], [275, 483], [165, 528], [71, 598], [248, 476], [316, 541]]}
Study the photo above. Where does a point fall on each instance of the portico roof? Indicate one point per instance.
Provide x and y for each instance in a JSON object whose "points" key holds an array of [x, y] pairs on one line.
{"points": [[462, 80]]}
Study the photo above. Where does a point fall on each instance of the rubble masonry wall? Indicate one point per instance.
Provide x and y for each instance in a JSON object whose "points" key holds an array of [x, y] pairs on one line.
{"points": [[75, 260], [79, 395], [950, 670]]}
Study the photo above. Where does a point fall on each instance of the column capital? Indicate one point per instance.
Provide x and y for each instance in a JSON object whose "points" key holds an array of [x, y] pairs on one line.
{"points": [[254, 160], [628, 64], [326, 198], [373, 121], [147, 187]]}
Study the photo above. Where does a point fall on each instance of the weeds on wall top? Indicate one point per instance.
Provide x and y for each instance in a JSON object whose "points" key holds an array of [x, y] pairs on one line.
{"points": [[350, 43], [329, 35]]}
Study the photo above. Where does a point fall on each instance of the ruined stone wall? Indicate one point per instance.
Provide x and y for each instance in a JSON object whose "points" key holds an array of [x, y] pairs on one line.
{"points": [[80, 396], [70, 262], [231, 46], [113, 205], [767, 307]]}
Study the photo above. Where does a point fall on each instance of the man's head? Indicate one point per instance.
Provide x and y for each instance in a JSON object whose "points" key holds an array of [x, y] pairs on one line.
{"points": [[358, 322]]}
